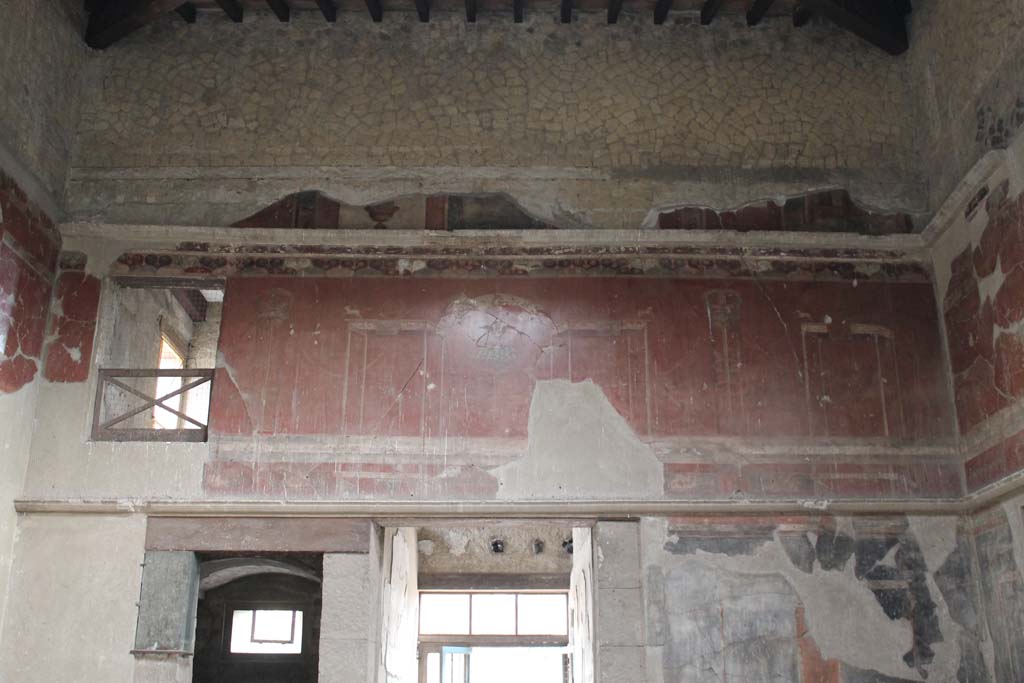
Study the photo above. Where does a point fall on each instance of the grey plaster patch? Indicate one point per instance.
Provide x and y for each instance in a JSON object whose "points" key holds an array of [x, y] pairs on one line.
{"points": [[579, 446]]}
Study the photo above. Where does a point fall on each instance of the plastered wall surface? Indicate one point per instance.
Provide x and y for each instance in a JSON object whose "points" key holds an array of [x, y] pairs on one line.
{"points": [[811, 599], [978, 281], [43, 56], [382, 110], [439, 388], [73, 620], [965, 68]]}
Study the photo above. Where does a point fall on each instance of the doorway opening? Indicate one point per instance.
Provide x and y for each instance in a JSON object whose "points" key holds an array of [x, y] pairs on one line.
{"points": [[494, 637]]}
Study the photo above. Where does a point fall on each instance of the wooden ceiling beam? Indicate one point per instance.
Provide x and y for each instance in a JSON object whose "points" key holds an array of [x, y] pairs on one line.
{"points": [[661, 10], [187, 11], [110, 22], [518, 10], [471, 11], [566, 11], [882, 23], [232, 9], [757, 10], [614, 9], [281, 9], [801, 15], [328, 9], [423, 10], [376, 10], [709, 11]]}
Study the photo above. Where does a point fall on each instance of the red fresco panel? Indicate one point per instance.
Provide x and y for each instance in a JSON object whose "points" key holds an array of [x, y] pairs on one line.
{"points": [[329, 356], [24, 301]]}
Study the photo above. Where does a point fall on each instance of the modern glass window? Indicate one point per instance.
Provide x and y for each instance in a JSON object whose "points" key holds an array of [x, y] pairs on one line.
{"points": [[494, 614], [266, 631]]}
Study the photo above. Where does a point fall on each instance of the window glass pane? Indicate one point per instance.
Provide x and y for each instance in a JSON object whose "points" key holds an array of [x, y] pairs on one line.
{"points": [[494, 614], [543, 614], [444, 613], [516, 665], [269, 625], [169, 360], [275, 626], [433, 667]]}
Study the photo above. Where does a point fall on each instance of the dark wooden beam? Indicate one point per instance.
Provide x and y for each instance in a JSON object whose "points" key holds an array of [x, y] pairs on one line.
{"points": [[709, 11], [566, 11], [423, 10], [661, 9], [518, 10], [111, 22], [757, 11], [187, 12], [232, 9], [801, 15], [614, 9], [880, 22], [328, 9], [376, 10], [281, 9], [471, 11]]}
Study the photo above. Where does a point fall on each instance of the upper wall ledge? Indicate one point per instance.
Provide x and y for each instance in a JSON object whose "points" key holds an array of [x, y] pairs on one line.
{"points": [[902, 247]]}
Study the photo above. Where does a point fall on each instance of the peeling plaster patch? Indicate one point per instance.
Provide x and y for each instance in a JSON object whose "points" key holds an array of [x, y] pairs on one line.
{"points": [[579, 446], [936, 536], [864, 637], [458, 541], [425, 548], [1015, 518]]}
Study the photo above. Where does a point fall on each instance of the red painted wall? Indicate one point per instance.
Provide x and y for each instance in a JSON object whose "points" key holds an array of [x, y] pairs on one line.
{"points": [[29, 246], [676, 357]]}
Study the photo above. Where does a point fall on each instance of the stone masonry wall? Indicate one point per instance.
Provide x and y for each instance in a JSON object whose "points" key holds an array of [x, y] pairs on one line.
{"points": [[587, 123], [42, 54], [966, 65]]}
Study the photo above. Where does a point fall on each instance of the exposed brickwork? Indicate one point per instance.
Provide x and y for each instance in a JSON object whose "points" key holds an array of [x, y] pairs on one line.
{"points": [[316, 211], [828, 211], [29, 245]]}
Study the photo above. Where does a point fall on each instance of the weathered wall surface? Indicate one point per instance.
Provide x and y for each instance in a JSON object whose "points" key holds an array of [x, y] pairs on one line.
{"points": [[999, 543], [966, 69], [979, 272], [29, 248], [480, 388], [73, 620], [43, 54], [584, 124], [814, 599]]}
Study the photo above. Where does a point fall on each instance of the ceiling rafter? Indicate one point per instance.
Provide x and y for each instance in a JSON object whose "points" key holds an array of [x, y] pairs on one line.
{"points": [[187, 11], [661, 10], [880, 22], [328, 9], [280, 9], [883, 23], [112, 21], [233, 9]]}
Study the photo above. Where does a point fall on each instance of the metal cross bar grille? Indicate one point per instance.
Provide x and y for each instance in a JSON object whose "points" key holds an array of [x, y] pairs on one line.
{"points": [[120, 407]]}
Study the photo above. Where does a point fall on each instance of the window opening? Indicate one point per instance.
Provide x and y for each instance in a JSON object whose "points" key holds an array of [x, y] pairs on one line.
{"points": [[493, 637], [170, 359], [266, 631]]}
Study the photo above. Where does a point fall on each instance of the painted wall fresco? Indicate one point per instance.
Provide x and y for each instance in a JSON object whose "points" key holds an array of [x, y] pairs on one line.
{"points": [[401, 369], [29, 246], [984, 309]]}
